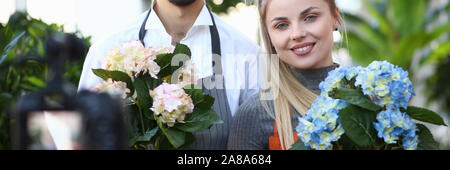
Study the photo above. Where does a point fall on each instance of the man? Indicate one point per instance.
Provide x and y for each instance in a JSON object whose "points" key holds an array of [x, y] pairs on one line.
{"points": [[190, 22]]}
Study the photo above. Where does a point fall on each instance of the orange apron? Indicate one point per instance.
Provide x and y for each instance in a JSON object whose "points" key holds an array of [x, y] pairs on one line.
{"points": [[274, 141]]}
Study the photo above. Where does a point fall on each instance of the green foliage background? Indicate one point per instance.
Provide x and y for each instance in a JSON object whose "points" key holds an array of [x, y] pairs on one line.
{"points": [[22, 64], [216, 8], [395, 30], [222, 8]]}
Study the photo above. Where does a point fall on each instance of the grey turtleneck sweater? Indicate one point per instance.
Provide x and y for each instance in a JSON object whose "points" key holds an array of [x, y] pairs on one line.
{"points": [[252, 125]]}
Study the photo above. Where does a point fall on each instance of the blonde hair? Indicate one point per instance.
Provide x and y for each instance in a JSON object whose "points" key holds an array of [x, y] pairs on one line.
{"points": [[287, 91]]}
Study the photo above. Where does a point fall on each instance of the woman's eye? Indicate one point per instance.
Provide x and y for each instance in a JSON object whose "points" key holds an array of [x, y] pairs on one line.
{"points": [[281, 26], [310, 18]]}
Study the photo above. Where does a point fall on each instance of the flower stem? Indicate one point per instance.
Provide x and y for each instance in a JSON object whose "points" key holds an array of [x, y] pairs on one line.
{"points": [[142, 117]]}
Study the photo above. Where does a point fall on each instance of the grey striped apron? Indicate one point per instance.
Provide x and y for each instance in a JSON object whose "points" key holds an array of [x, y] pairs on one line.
{"points": [[216, 137]]}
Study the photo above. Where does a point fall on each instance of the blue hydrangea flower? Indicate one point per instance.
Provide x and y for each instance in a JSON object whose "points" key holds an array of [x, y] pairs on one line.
{"points": [[352, 72], [392, 124], [386, 84], [410, 140], [335, 79], [321, 126]]}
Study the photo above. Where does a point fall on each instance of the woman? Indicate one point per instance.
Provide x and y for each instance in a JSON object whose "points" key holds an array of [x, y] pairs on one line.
{"points": [[300, 33]]}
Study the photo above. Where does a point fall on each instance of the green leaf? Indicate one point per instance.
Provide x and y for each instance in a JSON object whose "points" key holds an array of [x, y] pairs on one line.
{"points": [[188, 141], [144, 139], [366, 32], [5, 96], [16, 83], [426, 140], [425, 115], [143, 95], [383, 24], [131, 142], [36, 82], [37, 29], [182, 49], [14, 41], [176, 137], [199, 120], [165, 60], [408, 17], [299, 145], [207, 102], [5, 100], [116, 76], [148, 135], [133, 120], [346, 143], [374, 38], [10, 46], [166, 145], [151, 82], [199, 99], [357, 98], [438, 54], [406, 48], [358, 125]]}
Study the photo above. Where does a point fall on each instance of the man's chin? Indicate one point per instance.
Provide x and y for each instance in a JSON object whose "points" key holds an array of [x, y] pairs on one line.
{"points": [[182, 2]]}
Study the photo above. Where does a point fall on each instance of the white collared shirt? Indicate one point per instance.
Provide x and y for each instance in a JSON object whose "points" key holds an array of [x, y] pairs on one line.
{"points": [[239, 54]]}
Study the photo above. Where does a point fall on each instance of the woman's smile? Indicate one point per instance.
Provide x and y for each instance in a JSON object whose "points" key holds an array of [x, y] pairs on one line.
{"points": [[303, 49]]}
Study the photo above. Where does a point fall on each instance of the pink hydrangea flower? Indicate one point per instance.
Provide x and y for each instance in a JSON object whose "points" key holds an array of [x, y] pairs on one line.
{"points": [[188, 74], [113, 87], [133, 58], [171, 103]]}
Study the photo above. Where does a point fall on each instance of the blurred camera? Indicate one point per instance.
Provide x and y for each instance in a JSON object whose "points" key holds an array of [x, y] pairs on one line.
{"points": [[57, 118]]}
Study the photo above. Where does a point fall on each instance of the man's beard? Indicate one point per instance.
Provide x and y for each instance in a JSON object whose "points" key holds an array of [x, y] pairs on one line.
{"points": [[182, 2]]}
